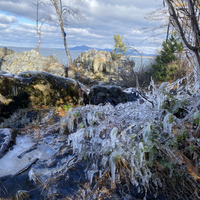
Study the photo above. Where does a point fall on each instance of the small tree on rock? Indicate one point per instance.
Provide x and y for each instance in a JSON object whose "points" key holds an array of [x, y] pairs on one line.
{"points": [[120, 47]]}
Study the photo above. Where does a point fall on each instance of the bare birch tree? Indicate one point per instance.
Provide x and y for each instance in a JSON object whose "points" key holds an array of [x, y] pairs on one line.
{"points": [[65, 13], [185, 16], [39, 22]]}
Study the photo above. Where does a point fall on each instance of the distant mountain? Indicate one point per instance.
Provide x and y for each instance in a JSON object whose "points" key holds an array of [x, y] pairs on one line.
{"points": [[86, 48], [80, 48]]}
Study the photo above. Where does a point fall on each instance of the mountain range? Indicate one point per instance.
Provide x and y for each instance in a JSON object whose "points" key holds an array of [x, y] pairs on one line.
{"points": [[86, 48]]}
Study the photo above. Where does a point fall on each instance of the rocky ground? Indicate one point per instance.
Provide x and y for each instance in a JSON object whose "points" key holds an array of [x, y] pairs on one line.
{"points": [[62, 140]]}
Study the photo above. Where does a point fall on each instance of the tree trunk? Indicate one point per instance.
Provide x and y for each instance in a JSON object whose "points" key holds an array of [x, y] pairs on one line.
{"points": [[66, 47], [39, 41], [192, 47], [37, 26], [59, 13]]}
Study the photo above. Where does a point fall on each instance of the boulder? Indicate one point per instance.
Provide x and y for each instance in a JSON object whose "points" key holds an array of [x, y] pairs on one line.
{"points": [[37, 88], [32, 61], [111, 94], [97, 62]]}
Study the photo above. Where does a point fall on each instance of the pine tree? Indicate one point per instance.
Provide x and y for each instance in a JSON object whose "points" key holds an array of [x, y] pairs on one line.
{"points": [[166, 62], [120, 47]]}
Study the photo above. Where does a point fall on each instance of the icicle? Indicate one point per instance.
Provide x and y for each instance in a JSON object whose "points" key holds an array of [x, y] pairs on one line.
{"points": [[113, 161], [161, 95], [76, 139], [146, 133], [32, 176], [113, 135], [167, 123], [178, 84], [91, 118], [141, 150], [104, 161], [100, 173], [153, 86], [90, 174], [112, 165], [137, 82]]}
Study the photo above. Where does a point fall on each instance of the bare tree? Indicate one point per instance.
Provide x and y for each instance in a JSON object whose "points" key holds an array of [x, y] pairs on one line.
{"points": [[161, 18], [185, 16], [65, 13], [38, 20]]}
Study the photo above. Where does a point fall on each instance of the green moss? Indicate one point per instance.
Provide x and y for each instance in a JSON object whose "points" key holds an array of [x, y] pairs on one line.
{"points": [[81, 125], [67, 107], [76, 114]]}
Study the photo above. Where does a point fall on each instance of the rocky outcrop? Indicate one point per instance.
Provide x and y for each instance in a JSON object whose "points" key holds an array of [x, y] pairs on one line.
{"points": [[97, 62], [37, 88], [32, 61]]}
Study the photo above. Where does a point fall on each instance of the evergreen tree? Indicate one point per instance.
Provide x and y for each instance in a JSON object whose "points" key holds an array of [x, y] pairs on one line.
{"points": [[166, 62], [120, 47], [119, 44]]}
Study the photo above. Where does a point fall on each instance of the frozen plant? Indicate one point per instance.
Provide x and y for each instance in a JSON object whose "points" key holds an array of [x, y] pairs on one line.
{"points": [[167, 123], [161, 94]]}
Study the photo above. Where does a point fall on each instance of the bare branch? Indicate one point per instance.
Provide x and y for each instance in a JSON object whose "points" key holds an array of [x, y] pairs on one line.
{"points": [[65, 15]]}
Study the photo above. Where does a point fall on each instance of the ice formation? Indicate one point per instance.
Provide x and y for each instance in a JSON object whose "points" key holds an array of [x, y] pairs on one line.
{"points": [[168, 123], [108, 137], [113, 135], [161, 94]]}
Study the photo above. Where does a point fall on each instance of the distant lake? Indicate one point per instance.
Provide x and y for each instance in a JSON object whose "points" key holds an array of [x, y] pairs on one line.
{"points": [[62, 57]]}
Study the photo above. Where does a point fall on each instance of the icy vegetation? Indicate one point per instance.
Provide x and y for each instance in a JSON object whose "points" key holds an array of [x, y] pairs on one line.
{"points": [[141, 146], [129, 135]]}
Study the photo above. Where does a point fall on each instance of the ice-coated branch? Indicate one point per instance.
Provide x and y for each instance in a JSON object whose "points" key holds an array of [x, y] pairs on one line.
{"points": [[187, 117], [178, 26]]}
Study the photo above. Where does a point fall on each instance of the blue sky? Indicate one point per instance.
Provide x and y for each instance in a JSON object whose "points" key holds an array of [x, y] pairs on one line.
{"points": [[105, 18]]}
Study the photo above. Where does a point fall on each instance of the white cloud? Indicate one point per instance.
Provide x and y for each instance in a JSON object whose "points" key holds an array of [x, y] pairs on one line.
{"points": [[105, 18], [4, 26], [136, 31], [84, 32], [4, 19]]}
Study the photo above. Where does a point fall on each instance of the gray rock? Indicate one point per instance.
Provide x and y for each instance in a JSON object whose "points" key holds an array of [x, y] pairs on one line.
{"points": [[32, 61], [4, 51], [37, 88], [110, 94], [97, 62]]}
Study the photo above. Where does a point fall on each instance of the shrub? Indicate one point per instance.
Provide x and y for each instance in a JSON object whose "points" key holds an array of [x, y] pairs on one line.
{"points": [[167, 63]]}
